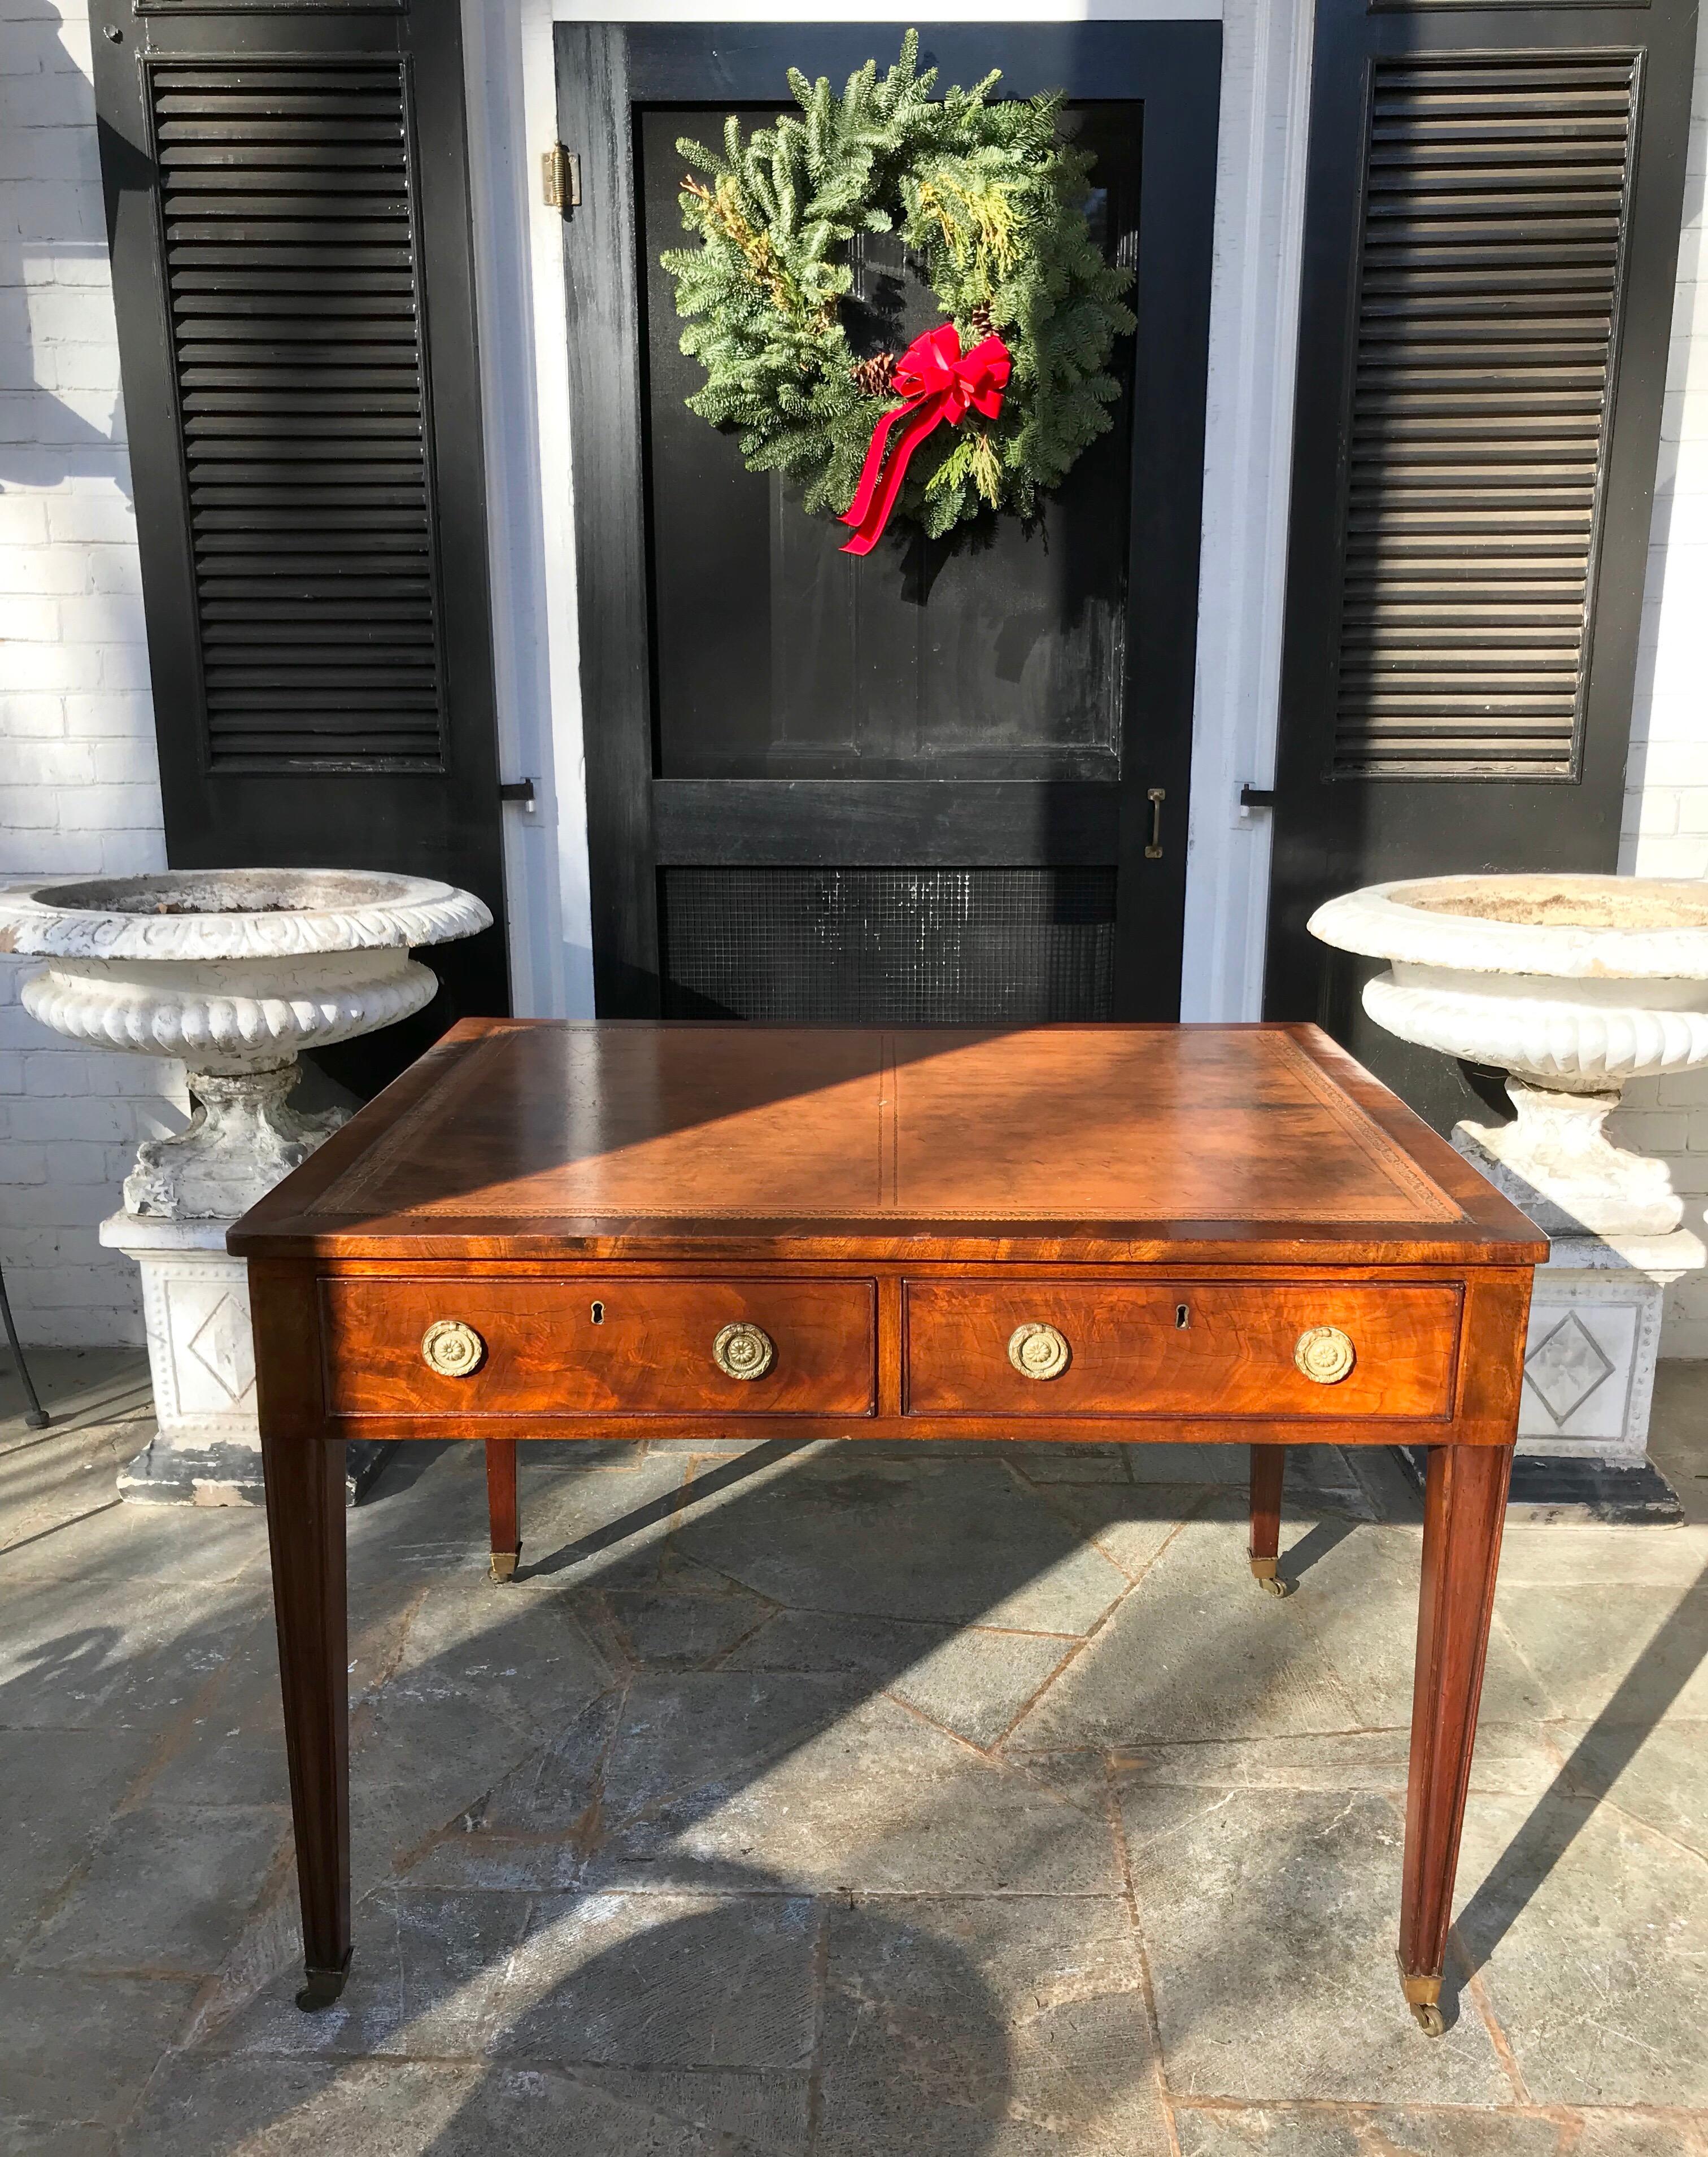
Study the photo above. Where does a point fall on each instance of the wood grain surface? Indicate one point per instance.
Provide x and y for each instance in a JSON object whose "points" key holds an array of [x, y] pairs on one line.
{"points": [[1176, 1348], [617, 1347], [1092, 1141], [597, 1202], [1464, 1509]]}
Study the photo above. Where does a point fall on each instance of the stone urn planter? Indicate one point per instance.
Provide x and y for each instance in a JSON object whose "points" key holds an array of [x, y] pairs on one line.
{"points": [[233, 971], [1572, 985]]}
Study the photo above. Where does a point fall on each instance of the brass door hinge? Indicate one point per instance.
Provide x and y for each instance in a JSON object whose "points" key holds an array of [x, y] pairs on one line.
{"points": [[560, 178]]}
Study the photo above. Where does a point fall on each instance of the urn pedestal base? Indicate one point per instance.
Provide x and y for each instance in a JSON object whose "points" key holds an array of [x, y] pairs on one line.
{"points": [[206, 1449], [1589, 1366]]}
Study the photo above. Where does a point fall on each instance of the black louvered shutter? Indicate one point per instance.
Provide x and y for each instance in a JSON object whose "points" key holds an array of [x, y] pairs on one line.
{"points": [[288, 206], [1491, 236]]}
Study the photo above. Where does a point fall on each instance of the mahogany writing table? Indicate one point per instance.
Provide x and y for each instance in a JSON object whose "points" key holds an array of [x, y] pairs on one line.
{"points": [[1077, 1234]]}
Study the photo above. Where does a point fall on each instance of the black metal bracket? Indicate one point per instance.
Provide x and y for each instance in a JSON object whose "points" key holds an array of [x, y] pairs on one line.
{"points": [[1256, 797], [517, 790], [34, 1414]]}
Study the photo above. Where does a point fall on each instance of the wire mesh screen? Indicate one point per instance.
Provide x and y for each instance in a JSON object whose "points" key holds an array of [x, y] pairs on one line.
{"points": [[890, 946]]}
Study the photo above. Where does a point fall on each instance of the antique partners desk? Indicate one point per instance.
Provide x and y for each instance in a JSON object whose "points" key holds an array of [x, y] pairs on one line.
{"points": [[1073, 1233]]}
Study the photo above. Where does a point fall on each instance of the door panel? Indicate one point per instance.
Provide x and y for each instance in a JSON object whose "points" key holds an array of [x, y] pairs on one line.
{"points": [[1002, 658], [825, 786], [892, 946]]}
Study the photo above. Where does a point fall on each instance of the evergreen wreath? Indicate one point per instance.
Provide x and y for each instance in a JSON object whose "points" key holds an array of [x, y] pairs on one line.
{"points": [[992, 200]]}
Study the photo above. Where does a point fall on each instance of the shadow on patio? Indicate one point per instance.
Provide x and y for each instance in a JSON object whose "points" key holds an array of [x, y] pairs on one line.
{"points": [[826, 1800]]}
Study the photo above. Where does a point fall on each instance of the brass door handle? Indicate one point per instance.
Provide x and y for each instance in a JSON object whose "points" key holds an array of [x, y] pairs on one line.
{"points": [[452, 1349], [1325, 1354], [743, 1351], [1038, 1352], [1156, 795]]}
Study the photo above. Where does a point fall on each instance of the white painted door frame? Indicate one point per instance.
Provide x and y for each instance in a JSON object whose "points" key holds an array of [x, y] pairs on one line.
{"points": [[1253, 337]]}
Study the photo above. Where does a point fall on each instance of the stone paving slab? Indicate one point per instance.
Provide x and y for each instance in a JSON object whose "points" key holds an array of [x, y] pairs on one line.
{"points": [[996, 2026], [811, 1800], [114, 1655], [805, 1781], [59, 1794], [857, 1531], [46, 2138], [83, 2046], [684, 1627], [1195, 1610], [1659, 1775], [1635, 1656], [102, 1412], [113, 1541], [1510, 1758], [164, 1892], [1572, 1556], [663, 1980], [427, 1988], [1387, 2131], [262, 2108], [1132, 1524], [1590, 1931], [1268, 1917], [1281, 2130], [973, 1680]]}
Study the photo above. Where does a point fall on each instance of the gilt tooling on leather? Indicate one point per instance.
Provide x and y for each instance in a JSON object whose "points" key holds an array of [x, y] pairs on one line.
{"points": [[1071, 1124]]}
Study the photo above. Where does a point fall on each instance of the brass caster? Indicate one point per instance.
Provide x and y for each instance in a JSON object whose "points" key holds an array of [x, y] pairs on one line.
{"points": [[1265, 1575], [504, 1564], [1423, 1998], [321, 1987]]}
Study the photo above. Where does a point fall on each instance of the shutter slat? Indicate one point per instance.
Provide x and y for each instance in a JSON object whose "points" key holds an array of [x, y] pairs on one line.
{"points": [[292, 274], [1488, 295]]}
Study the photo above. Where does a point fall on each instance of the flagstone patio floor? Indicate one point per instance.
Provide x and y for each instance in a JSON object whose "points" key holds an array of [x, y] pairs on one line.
{"points": [[842, 1800]]}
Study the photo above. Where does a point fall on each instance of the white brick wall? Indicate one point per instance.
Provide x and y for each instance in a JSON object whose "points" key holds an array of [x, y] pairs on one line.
{"points": [[1666, 803], [80, 792]]}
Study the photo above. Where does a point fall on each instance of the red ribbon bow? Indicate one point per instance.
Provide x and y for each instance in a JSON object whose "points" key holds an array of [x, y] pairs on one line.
{"points": [[939, 382]]}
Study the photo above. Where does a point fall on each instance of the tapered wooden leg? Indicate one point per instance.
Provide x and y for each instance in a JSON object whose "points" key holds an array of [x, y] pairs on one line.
{"points": [[1268, 1467], [500, 1506], [304, 1479], [1464, 1509]]}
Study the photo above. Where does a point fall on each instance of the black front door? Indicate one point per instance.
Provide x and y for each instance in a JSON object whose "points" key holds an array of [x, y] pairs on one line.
{"points": [[947, 782]]}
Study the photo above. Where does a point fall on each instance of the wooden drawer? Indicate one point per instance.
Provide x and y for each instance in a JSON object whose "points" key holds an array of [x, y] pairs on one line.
{"points": [[1181, 1350], [591, 1347]]}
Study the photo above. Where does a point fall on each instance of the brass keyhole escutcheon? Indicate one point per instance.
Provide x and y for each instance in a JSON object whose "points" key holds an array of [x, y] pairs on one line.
{"points": [[742, 1350], [453, 1350], [1325, 1354], [1038, 1352]]}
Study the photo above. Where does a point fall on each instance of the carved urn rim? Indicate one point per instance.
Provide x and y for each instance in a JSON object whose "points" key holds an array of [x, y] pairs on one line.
{"points": [[1564, 927], [200, 914]]}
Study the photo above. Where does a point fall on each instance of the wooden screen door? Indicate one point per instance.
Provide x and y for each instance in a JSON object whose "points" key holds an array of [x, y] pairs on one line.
{"points": [[947, 782]]}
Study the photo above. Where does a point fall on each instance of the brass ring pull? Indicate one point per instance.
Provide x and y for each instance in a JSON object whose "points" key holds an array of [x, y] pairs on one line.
{"points": [[743, 1351], [453, 1350], [1326, 1355], [1038, 1352]]}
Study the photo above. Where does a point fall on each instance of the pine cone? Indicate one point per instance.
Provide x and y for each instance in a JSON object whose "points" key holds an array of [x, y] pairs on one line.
{"points": [[979, 320], [872, 377]]}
